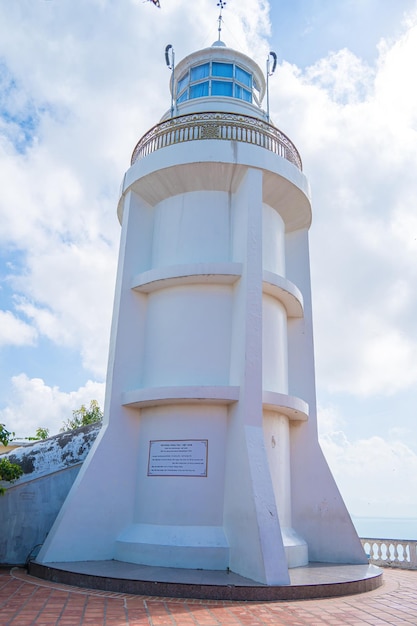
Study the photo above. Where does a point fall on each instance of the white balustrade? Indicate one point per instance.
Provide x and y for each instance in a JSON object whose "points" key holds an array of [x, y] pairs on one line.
{"points": [[401, 553], [221, 126]]}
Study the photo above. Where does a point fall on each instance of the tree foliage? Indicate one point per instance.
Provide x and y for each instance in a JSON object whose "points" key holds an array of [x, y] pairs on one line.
{"points": [[9, 472], [84, 416], [5, 435], [40, 435]]}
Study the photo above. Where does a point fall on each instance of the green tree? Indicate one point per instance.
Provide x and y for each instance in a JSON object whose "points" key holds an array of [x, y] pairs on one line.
{"points": [[9, 472], [84, 416], [41, 433], [5, 435]]}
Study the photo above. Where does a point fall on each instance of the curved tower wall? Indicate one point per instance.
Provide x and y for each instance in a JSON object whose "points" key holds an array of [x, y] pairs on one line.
{"points": [[209, 456]]}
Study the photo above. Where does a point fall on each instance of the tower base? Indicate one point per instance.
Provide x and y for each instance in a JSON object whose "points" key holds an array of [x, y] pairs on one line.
{"points": [[192, 547], [316, 580]]}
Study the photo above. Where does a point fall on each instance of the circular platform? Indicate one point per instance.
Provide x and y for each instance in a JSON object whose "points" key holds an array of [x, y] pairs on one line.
{"points": [[316, 580]]}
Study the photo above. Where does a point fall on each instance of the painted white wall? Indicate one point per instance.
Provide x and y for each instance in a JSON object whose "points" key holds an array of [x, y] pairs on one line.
{"points": [[213, 165], [179, 500], [191, 228], [188, 336], [273, 241], [277, 444], [274, 345], [178, 521]]}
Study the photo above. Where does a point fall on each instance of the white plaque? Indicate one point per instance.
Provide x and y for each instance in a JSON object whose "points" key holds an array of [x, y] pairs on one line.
{"points": [[178, 457]]}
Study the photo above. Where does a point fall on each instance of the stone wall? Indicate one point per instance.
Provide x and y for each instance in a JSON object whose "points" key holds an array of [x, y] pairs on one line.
{"points": [[31, 504]]}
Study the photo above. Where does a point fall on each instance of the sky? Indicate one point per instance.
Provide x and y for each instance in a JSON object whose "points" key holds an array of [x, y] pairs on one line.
{"points": [[80, 82]]}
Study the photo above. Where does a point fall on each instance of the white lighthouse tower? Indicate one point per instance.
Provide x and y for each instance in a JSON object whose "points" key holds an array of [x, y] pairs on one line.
{"points": [[209, 456]]}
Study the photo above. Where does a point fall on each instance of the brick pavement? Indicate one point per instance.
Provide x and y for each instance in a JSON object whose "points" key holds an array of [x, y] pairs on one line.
{"points": [[27, 601]]}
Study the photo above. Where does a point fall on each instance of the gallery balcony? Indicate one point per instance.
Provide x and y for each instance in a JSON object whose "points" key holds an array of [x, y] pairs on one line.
{"points": [[218, 126]]}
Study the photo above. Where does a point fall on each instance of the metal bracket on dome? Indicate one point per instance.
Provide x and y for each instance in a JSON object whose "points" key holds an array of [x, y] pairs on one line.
{"points": [[269, 73], [170, 61]]}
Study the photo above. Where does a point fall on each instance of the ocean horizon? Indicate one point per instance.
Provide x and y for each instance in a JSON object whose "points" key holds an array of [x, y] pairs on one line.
{"points": [[386, 527]]}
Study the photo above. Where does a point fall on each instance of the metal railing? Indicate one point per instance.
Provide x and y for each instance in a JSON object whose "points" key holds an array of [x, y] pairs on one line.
{"points": [[399, 553], [222, 126]]}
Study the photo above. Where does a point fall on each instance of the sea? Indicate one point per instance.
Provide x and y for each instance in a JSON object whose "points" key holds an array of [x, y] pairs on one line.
{"points": [[386, 527]]}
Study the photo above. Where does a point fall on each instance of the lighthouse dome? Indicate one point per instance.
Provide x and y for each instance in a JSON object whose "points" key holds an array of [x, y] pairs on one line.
{"points": [[217, 78]]}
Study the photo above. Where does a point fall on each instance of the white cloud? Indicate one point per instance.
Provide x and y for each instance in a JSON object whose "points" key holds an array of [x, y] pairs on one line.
{"points": [[79, 85], [245, 27], [33, 404], [371, 355], [357, 134], [329, 420], [93, 79], [14, 331], [393, 85], [376, 476], [69, 298], [343, 75]]}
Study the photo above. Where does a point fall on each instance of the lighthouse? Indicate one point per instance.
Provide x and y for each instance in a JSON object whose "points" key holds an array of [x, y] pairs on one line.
{"points": [[208, 458]]}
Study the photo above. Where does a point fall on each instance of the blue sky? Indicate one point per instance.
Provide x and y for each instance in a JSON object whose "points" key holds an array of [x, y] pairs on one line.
{"points": [[307, 30], [81, 82]]}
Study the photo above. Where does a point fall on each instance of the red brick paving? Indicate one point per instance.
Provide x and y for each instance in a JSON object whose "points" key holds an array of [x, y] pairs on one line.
{"points": [[27, 601]]}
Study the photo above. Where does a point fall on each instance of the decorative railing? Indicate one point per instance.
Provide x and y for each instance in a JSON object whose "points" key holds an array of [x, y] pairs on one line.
{"points": [[223, 126], [400, 553]]}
